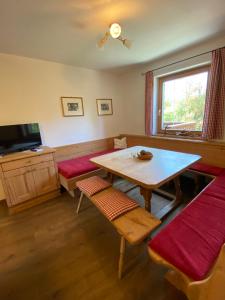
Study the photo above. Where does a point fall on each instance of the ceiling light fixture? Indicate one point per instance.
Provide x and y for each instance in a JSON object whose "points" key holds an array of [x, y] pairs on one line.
{"points": [[115, 32]]}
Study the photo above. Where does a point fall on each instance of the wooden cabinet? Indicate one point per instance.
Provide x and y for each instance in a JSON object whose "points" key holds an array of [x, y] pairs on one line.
{"points": [[45, 179], [29, 176], [20, 185]]}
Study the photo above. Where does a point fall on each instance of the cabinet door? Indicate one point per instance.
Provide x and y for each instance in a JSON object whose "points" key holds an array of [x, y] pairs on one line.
{"points": [[45, 177], [20, 185]]}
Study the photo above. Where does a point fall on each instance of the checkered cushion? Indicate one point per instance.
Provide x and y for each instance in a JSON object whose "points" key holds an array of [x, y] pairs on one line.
{"points": [[92, 185], [112, 203]]}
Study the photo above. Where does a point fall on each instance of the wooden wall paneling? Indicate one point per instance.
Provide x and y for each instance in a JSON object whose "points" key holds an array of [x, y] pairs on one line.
{"points": [[81, 149]]}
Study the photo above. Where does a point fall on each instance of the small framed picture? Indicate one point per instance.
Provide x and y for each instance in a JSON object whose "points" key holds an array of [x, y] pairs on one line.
{"points": [[72, 106], [104, 107]]}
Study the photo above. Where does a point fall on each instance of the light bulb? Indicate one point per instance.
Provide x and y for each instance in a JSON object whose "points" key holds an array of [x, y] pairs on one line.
{"points": [[115, 30]]}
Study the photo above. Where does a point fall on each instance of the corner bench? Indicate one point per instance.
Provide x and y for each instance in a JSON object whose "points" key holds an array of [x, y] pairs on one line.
{"points": [[192, 245], [75, 169]]}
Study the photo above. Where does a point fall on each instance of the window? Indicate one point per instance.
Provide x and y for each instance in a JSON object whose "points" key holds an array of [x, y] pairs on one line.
{"points": [[181, 102]]}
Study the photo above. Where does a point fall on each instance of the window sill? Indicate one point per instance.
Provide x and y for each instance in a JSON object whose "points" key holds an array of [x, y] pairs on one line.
{"points": [[179, 137]]}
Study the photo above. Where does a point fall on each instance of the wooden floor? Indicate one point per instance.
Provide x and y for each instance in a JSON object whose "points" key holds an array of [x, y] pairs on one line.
{"points": [[49, 252]]}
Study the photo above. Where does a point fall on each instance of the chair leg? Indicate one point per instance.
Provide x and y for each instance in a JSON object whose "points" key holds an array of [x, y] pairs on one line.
{"points": [[79, 203], [122, 253]]}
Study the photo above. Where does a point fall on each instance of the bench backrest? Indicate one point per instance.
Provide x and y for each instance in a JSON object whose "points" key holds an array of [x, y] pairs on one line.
{"points": [[81, 149]]}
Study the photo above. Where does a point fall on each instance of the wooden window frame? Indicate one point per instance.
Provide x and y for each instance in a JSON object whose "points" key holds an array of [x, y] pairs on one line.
{"points": [[161, 80]]}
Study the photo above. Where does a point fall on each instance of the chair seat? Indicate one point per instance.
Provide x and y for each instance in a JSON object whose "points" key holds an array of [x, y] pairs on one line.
{"points": [[113, 203], [92, 185]]}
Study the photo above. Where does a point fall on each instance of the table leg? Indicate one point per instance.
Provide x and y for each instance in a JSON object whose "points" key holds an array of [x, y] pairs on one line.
{"points": [[110, 177], [197, 183], [147, 194], [178, 189], [162, 214]]}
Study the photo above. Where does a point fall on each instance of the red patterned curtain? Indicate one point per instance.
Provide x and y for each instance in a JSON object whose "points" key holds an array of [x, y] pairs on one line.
{"points": [[148, 102], [214, 118]]}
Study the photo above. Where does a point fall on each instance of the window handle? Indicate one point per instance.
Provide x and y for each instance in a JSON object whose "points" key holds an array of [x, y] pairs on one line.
{"points": [[165, 129]]}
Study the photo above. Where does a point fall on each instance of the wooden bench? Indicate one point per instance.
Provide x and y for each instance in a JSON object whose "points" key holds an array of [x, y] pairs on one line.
{"points": [[192, 245], [210, 288], [78, 168], [133, 225]]}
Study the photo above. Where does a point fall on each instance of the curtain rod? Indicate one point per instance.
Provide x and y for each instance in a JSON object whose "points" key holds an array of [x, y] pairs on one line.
{"points": [[173, 63]]}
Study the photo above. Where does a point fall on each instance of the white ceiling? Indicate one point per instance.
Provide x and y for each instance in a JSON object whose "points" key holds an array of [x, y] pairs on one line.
{"points": [[66, 31]]}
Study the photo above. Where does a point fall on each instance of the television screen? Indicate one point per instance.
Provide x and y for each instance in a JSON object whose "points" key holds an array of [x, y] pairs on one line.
{"points": [[21, 137]]}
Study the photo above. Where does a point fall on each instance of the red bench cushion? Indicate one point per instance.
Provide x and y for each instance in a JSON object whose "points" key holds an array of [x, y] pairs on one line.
{"points": [[216, 190], [79, 165], [204, 168], [192, 241]]}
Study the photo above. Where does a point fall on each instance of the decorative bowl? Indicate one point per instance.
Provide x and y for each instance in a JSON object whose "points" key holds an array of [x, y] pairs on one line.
{"points": [[144, 155]]}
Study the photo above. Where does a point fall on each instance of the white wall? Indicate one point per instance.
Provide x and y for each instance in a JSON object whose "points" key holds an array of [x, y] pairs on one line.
{"points": [[30, 91], [134, 83]]}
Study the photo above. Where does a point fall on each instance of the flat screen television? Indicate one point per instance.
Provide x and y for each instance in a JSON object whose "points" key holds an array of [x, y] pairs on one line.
{"points": [[14, 138]]}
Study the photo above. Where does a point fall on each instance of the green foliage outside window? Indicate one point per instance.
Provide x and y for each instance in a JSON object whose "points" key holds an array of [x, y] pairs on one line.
{"points": [[188, 109]]}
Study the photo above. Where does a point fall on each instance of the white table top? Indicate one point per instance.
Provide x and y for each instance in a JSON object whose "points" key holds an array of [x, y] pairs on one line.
{"points": [[164, 166]]}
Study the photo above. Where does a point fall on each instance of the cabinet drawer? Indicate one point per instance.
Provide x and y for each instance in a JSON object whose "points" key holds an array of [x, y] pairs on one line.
{"points": [[12, 165]]}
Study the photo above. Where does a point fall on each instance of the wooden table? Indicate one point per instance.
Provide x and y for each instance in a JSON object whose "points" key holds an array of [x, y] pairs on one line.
{"points": [[149, 175]]}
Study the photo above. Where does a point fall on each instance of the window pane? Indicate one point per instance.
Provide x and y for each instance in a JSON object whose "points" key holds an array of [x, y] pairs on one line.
{"points": [[183, 102]]}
